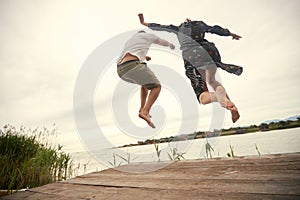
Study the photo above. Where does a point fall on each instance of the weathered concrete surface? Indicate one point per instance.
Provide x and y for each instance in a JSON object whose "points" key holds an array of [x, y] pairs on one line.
{"points": [[264, 177]]}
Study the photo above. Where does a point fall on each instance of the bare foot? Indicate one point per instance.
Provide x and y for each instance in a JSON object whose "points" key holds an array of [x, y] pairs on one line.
{"points": [[148, 114], [230, 106], [146, 117], [235, 115], [234, 111]]}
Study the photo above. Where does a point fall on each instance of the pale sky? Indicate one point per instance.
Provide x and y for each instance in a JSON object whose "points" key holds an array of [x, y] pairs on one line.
{"points": [[44, 44]]}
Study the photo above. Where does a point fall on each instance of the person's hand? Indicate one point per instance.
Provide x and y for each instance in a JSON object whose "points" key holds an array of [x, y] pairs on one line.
{"points": [[148, 58], [141, 16], [171, 46], [235, 36]]}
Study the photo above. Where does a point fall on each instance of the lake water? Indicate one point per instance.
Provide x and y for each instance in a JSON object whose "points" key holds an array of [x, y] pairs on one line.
{"points": [[269, 142]]}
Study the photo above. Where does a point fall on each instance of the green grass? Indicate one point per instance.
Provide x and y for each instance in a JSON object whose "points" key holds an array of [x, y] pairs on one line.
{"points": [[231, 153], [257, 150], [114, 163], [208, 149], [158, 152], [27, 159], [174, 154]]}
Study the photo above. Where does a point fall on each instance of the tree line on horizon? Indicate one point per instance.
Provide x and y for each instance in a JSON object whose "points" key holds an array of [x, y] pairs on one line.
{"points": [[275, 125]]}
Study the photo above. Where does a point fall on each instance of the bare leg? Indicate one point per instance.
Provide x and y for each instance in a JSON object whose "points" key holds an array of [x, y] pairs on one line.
{"points": [[207, 97], [227, 103], [211, 79], [144, 112], [221, 94], [218, 96], [144, 94]]}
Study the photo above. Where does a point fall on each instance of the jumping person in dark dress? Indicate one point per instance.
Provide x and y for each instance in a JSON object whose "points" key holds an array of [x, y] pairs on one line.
{"points": [[201, 59]]}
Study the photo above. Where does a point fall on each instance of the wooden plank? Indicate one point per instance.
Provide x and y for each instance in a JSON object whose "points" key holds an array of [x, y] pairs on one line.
{"points": [[93, 192], [265, 177]]}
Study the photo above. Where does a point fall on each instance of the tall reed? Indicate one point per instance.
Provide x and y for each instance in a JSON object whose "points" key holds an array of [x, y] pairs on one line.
{"points": [[174, 154], [27, 159]]}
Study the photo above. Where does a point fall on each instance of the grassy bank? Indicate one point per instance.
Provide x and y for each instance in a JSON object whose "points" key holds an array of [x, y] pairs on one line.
{"points": [[27, 159]]}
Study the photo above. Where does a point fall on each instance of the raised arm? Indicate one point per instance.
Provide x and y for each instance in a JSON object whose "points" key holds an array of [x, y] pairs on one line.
{"points": [[158, 27], [142, 21]]}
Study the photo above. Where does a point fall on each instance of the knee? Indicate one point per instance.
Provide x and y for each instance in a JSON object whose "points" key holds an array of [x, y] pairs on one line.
{"points": [[157, 87], [152, 86], [204, 98], [204, 101]]}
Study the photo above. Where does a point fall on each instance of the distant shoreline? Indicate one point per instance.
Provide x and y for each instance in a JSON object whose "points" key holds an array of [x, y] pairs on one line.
{"points": [[283, 124]]}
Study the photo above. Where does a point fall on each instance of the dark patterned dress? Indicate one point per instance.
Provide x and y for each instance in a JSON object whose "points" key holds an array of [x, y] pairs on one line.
{"points": [[197, 52]]}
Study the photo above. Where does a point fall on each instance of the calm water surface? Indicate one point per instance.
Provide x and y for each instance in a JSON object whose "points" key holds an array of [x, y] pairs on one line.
{"points": [[269, 142]]}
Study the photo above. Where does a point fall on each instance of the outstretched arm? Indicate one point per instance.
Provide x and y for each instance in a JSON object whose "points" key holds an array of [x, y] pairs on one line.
{"points": [[158, 27], [164, 43], [222, 31]]}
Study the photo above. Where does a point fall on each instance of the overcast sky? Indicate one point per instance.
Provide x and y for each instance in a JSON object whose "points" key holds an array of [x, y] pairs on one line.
{"points": [[44, 44]]}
